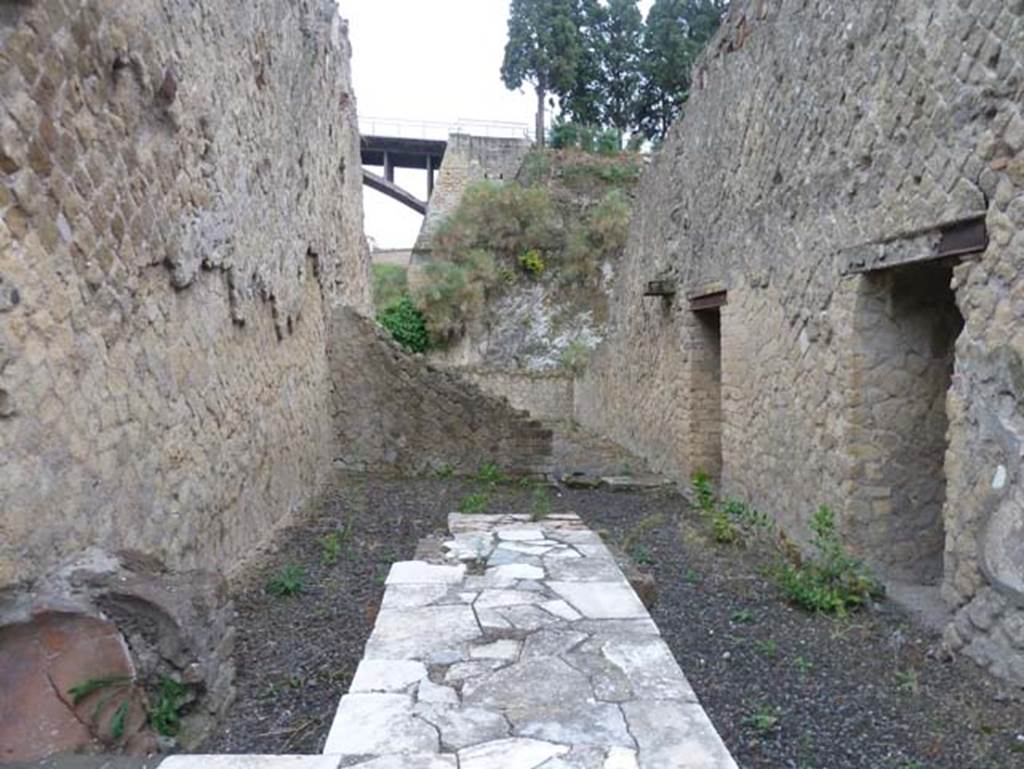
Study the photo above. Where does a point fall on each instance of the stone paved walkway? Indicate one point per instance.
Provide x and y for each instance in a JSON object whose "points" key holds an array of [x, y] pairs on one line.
{"points": [[519, 645]]}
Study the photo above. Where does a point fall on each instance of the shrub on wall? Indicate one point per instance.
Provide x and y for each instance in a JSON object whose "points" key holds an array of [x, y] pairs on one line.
{"points": [[405, 323], [390, 283]]}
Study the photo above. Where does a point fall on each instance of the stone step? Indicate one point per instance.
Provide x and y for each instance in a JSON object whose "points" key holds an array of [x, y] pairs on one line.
{"points": [[518, 644]]}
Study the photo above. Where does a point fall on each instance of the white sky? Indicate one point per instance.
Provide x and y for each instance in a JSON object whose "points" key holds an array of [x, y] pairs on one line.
{"points": [[428, 60]]}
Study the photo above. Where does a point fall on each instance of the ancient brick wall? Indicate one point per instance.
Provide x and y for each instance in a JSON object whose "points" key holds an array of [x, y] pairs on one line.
{"points": [[180, 203], [824, 142], [394, 412], [545, 396]]}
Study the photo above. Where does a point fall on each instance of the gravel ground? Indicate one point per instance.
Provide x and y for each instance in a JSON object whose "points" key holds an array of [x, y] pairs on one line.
{"points": [[786, 689]]}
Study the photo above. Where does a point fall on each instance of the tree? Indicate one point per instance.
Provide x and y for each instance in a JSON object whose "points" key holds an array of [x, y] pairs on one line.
{"points": [[543, 49], [676, 33], [622, 42], [582, 101]]}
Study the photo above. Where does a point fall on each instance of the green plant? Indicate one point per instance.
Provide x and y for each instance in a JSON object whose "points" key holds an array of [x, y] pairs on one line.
{"points": [[113, 686], [803, 667], [575, 356], [390, 283], [165, 712], [533, 263], [288, 581], [830, 581], [742, 617], [701, 483], [445, 471], [406, 324], [764, 719], [907, 681], [723, 529], [540, 503], [691, 577], [474, 503], [769, 647], [490, 474], [642, 555], [332, 544]]}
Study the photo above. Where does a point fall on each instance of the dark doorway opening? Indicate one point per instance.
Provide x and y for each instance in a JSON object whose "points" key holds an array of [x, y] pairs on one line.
{"points": [[908, 323], [706, 391]]}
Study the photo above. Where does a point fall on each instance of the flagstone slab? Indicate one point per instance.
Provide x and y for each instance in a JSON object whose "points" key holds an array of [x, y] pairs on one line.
{"points": [[513, 753], [601, 600], [374, 724], [423, 573], [387, 675], [402, 634]]}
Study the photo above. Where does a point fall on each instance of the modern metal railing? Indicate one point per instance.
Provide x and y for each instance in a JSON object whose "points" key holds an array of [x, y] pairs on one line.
{"points": [[433, 129]]}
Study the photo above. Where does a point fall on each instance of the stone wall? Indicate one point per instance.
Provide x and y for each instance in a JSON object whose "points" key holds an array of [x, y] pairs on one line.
{"points": [[468, 159], [825, 145], [393, 411], [545, 396], [180, 206]]}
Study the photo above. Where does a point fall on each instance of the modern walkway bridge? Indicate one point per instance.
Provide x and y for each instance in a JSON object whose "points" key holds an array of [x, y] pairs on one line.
{"points": [[391, 144]]}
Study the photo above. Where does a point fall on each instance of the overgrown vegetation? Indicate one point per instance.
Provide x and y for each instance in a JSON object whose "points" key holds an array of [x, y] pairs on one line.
{"points": [[827, 580], [474, 503], [406, 324], [830, 580], [557, 226], [390, 283], [288, 581], [164, 703], [165, 712]]}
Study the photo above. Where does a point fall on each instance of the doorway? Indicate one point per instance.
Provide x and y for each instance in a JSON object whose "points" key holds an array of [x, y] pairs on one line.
{"points": [[706, 391], [907, 326]]}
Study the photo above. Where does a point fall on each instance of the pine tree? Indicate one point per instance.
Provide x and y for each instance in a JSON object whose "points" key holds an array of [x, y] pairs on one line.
{"points": [[676, 33], [543, 49]]}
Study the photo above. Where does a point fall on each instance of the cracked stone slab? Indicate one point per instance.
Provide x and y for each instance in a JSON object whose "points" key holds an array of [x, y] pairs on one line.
{"points": [[601, 600], [242, 761], [462, 727], [422, 632], [375, 724], [423, 573], [387, 675], [511, 753], [672, 735]]}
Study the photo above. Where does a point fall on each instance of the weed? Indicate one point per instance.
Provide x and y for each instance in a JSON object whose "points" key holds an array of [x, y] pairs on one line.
{"points": [[445, 471], [474, 503], [907, 681], [80, 691], [532, 263], [803, 667], [289, 581], [406, 324], [767, 647], [390, 283], [691, 577], [575, 356], [742, 617], [490, 474], [702, 489], [332, 545], [114, 685], [540, 504], [643, 556], [831, 581], [165, 714], [723, 529], [764, 719]]}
